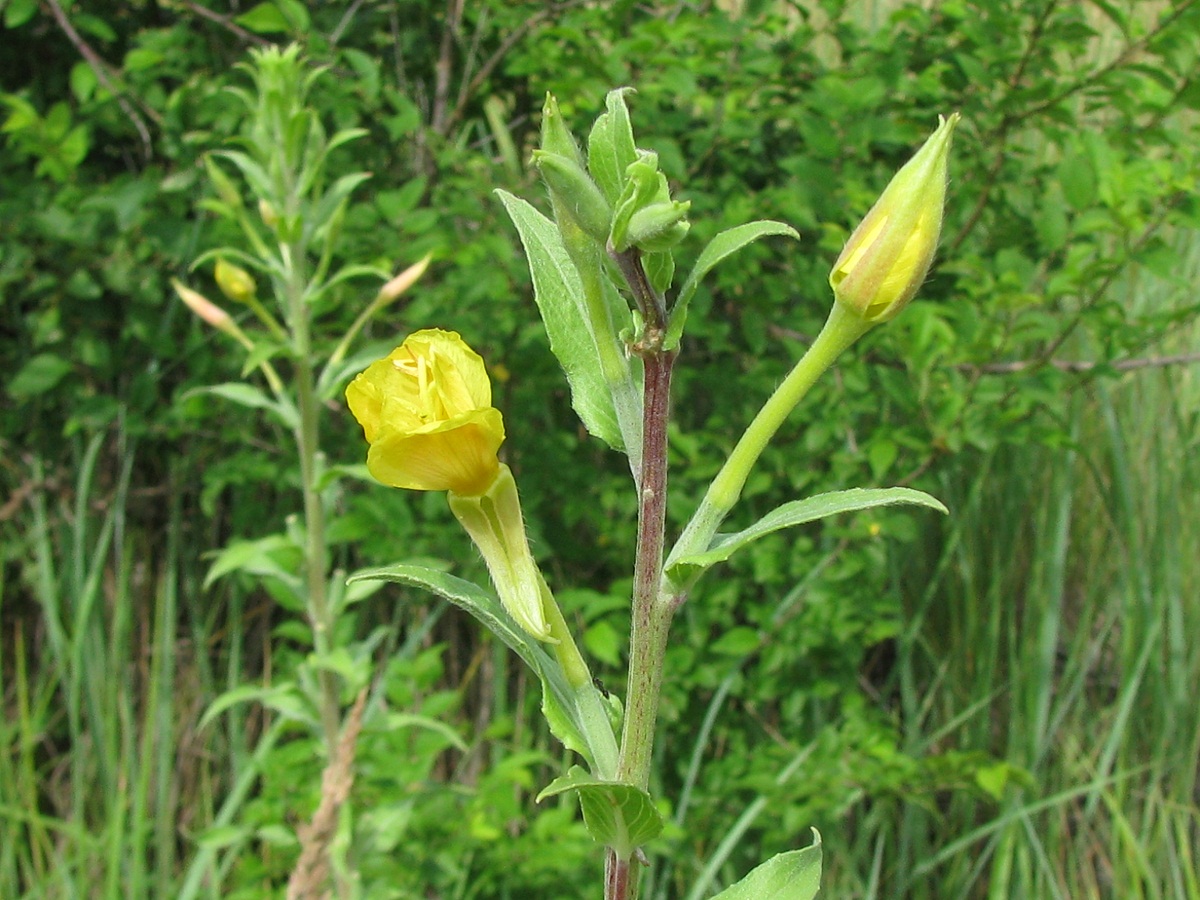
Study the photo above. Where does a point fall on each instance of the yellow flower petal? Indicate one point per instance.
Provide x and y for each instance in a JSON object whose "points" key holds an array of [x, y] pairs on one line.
{"points": [[426, 412]]}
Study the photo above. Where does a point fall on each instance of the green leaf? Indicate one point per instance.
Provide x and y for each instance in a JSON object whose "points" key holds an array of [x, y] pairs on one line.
{"points": [[611, 147], [558, 699], [558, 291], [266, 18], [285, 699], [795, 875], [688, 568], [38, 376], [324, 210], [249, 395], [257, 557], [621, 816], [724, 244], [396, 721], [18, 12]]}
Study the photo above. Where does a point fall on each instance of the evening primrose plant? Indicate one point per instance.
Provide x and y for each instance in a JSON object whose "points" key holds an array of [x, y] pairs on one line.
{"points": [[603, 271]]}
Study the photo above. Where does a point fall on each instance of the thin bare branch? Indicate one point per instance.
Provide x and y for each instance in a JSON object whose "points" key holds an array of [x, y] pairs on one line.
{"points": [[225, 22], [100, 68]]}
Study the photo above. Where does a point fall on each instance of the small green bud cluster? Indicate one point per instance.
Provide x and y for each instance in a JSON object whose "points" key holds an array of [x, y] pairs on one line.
{"points": [[618, 196]]}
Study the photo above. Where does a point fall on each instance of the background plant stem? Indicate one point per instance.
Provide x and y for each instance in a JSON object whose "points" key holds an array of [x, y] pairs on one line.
{"points": [[308, 447]]}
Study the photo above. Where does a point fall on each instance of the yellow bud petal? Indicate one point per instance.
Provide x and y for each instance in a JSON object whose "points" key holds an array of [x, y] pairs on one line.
{"points": [[889, 254], [426, 412], [235, 282]]}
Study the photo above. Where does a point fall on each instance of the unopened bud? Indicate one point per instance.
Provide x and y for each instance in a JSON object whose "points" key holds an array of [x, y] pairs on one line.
{"points": [[235, 282], [203, 307], [575, 193], [267, 213], [659, 227], [646, 216], [556, 137], [402, 282], [889, 254]]}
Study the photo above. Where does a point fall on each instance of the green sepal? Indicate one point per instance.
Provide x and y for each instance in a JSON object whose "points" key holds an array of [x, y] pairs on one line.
{"points": [[684, 571], [722, 245], [559, 294], [795, 875], [558, 698], [617, 815], [494, 521]]}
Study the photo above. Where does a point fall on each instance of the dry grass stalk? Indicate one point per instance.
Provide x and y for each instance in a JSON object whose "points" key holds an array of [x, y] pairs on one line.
{"points": [[309, 878]]}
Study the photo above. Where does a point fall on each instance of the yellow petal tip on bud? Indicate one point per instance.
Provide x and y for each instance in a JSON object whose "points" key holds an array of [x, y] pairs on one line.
{"points": [[426, 410], [202, 306], [406, 279], [889, 254]]}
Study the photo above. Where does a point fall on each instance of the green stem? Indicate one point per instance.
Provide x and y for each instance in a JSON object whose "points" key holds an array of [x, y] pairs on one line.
{"points": [[842, 328], [307, 436]]}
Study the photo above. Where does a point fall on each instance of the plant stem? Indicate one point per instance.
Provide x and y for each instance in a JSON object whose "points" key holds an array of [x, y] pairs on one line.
{"points": [[307, 436], [651, 619], [616, 877], [841, 329]]}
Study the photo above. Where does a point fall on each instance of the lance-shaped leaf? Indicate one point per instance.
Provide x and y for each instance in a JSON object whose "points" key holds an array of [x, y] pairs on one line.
{"points": [[795, 875], [685, 570], [249, 395], [610, 145], [558, 699], [558, 291], [617, 815], [724, 244]]}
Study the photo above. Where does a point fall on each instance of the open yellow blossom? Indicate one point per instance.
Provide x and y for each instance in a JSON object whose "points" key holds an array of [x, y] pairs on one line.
{"points": [[426, 410], [888, 255]]}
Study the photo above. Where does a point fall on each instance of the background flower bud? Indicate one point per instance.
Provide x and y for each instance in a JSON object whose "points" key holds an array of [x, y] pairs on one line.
{"points": [[889, 254], [235, 282]]}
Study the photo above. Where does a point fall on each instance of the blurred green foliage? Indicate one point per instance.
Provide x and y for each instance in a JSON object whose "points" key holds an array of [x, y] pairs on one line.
{"points": [[1073, 193]]}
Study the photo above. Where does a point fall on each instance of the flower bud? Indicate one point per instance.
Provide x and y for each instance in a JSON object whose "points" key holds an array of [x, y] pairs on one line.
{"points": [[556, 137], [889, 254], [235, 282], [659, 226], [267, 213], [646, 217], [203, 307], [575, 194], [406, 279]]}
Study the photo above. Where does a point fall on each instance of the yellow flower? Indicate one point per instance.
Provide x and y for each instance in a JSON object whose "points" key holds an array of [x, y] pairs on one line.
{"points": [[888, 255], [426, 410]]}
